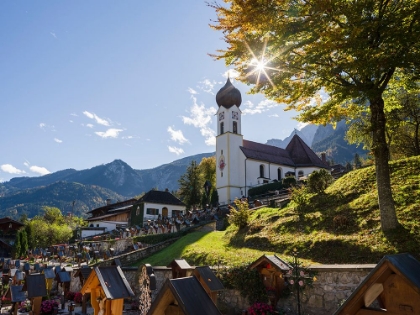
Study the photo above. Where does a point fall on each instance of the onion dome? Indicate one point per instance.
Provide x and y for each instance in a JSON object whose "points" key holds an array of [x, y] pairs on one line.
{"points": [[228, 96]]}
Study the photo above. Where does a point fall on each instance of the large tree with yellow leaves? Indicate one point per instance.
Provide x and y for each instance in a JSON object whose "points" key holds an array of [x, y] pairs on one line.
{"points": [[296, 51]]}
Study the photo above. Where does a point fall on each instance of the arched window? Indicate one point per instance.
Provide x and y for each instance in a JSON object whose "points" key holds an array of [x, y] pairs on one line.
{"points": [[279, 173], [300, 174], [222, 127], [235, 127], [262, 170]]}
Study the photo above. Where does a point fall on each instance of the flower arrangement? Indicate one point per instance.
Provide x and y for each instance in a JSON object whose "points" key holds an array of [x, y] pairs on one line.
{"points": [[47, 306], [78, 297], [260, 309], [70, 295], [25, 306]]}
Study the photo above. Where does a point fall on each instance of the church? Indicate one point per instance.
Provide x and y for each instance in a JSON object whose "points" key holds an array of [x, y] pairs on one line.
{"points": [[243, 164]]}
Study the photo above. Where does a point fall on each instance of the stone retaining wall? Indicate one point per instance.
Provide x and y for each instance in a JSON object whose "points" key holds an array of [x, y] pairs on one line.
{"points": [[333, 285]]}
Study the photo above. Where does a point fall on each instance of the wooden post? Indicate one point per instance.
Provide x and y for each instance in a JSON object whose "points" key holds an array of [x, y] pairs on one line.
{"points": [[36, 305]]}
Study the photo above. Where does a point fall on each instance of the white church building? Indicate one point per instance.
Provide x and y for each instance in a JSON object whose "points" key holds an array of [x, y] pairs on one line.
{"points": [[243, 164]]}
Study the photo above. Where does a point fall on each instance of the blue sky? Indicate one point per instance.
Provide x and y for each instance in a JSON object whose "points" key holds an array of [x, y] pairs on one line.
{"points": [[83, 83]]}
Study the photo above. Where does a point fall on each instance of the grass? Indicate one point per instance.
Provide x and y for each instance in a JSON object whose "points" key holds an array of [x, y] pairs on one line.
{"points": [[313, 230]]}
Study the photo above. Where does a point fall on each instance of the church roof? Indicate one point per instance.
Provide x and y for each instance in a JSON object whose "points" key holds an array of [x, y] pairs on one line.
{"points": [[296, 154], [302, 154], [228, 96], [267, 153]]}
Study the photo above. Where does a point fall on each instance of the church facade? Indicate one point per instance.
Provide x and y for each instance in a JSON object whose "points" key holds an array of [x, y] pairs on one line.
{"points": [[243, 164]]}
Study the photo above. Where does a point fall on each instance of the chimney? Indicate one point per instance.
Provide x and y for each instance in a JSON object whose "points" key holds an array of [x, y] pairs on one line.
{"points": [[166, 189], [324, 157], [108, 202]]}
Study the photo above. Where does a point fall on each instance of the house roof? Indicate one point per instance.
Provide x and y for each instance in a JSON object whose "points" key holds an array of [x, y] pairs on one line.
{"points": [[190, 295], [161, 197], [8, 220], [208, 276], [115, 205], [404, 265]]}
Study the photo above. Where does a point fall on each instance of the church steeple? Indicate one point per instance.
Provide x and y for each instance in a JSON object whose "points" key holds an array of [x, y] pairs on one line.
{"points": [[228, 96]]}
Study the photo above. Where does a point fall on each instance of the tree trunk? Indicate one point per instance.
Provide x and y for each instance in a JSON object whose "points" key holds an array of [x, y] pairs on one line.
{"points": [[380, 149]]}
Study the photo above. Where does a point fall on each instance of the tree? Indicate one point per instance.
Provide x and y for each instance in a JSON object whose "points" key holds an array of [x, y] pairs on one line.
{"points": [[296, 52], [191, 186]]}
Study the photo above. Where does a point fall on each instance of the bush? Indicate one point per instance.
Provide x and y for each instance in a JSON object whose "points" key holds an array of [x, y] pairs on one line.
{"points": [[239, 216], [318, 181], [300, 198], [289, 181]]}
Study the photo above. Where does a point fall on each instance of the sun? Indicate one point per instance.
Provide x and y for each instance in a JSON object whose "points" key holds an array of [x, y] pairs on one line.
{"points": [[260, 65]]}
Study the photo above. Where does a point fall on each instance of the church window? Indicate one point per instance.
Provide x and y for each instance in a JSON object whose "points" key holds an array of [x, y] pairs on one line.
{"points": [[262, 170], [300, 174], [235, 127], [222, 127], [279, 173]]}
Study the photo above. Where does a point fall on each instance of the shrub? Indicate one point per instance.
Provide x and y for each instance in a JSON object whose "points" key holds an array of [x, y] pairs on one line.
{"points": [[289, 181], [47, 306], [300, 198], [78, 297], [263, 189], [239, 216], [318, 181]]}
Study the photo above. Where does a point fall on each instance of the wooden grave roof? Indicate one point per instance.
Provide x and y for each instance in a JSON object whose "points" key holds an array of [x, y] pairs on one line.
{"points": [[206, 275], [63, 276], [35, 285], [186, 296], [17, 294], [181, 264], [392, 288], [274, 261], [49, 273], [83, 272], [112, 281]]}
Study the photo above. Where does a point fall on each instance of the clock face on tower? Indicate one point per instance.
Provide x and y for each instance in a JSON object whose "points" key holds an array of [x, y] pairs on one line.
{"points": [[221, 115], [235, 115]]}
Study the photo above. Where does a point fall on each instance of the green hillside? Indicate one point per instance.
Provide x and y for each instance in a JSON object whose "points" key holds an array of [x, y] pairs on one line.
{"points": [[341, 226]]}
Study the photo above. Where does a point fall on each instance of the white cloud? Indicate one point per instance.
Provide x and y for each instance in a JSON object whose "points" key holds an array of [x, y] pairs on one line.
{"points": [[201, 117], [110, 133], [192, 91], [263, 106], [58, 140], [177, 135], [89, 125], [40, 170], [8, 168], [74, 114], [53, 34], [274, 115], [71, 121], [42, 125], [206, 85], [98, 120], [175, 150], [231, 73]]}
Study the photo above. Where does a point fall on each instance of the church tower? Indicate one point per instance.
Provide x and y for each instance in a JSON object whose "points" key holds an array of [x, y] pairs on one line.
{"points": [[229, 139]]}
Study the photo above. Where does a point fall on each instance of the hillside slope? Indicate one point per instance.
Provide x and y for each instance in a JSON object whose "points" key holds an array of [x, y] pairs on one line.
{"points": [[340, 226]]}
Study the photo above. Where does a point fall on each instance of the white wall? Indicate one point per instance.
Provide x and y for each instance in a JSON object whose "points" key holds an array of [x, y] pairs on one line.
{"points": [[160, 207]]}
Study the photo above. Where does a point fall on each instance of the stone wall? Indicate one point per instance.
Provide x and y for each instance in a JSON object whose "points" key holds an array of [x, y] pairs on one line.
{"points": [[333, 285]]}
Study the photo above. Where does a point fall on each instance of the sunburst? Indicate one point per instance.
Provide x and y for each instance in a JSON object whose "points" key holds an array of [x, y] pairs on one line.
{"points": [[260, 65]]}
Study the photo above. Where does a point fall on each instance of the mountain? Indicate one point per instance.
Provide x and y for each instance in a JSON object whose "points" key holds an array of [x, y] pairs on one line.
{"points": [[325, 139], [332, 141], [61, 194], [89, 188], [307, 134]]}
